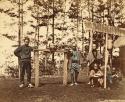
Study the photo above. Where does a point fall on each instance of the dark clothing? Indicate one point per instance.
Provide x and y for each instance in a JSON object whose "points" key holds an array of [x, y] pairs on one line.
{"points": [[25, 66], [122, 60], [95, 81], [94, 52], [96, 70], [93, 59], [75, 60], [115, 62], [24, 54]]}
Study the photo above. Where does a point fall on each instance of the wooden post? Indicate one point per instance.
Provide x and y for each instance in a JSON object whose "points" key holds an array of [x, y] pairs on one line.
{"points": [[106, 61], [36, 67], [65, 73]]}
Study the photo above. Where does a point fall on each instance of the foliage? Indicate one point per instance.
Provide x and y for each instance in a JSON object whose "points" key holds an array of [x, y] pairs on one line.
{"points": [[12, 72], [109, 13]]}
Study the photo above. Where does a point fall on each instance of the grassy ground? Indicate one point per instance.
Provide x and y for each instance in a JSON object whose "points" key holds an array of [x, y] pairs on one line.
{"points": [[52, 90]]}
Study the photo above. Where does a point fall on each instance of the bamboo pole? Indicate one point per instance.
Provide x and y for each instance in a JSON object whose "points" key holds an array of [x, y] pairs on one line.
{"points": [[65, 73], [36, 67], [106, 61]]}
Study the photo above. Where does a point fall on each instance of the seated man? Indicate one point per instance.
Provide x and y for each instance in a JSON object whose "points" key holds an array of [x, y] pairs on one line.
{"points": [[100, 75], [115, 75], [96, 76]]}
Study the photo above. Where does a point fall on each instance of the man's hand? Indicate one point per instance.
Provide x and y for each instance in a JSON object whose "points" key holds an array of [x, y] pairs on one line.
{"points": [[88, 64]]}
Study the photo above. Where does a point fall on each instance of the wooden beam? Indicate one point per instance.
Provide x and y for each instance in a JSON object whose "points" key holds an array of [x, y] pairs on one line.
{"points": [[36, 67], [47, 50], [65, 73], [104, 28], [106, 61]]}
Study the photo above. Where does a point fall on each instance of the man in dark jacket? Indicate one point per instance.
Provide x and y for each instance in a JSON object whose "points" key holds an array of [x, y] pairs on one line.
{"points": [[24, 54]]}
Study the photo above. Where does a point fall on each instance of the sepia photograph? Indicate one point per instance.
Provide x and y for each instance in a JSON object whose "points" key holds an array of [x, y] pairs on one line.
{"points": [[62, 50]]}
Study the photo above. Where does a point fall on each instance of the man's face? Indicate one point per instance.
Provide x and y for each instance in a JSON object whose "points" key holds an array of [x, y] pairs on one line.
{"points": [[95, 66], [94, 46], [74, 47], [26, 42]]}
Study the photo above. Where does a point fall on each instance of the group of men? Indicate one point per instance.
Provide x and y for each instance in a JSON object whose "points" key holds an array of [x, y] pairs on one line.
{"points": [[74, 62]]}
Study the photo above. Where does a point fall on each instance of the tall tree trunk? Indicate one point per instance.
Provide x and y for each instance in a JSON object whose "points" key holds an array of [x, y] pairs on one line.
{"points": [[53, 23]]}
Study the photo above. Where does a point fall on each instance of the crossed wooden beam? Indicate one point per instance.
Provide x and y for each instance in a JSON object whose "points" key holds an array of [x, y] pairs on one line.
{"points": [[104, 28], [36, 65]]}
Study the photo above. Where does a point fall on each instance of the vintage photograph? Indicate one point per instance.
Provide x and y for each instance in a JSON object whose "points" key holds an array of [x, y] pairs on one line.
{"points": [[62, 50]]}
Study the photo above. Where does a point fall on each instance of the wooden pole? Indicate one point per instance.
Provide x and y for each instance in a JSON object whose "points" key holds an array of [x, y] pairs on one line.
{"points": [[106, 61], [65, 73], [36, 67]]}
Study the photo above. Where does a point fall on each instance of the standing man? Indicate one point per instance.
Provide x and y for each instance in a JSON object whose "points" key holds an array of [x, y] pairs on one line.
{"points": [[24, 54], [92, 57], [75, 65]]}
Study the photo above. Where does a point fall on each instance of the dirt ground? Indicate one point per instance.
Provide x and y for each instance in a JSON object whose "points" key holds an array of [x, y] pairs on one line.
{"points": [[52, 90]]}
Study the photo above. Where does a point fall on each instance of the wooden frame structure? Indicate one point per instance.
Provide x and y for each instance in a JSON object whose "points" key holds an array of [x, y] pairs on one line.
{"points": [[89, 26], [93, 26], [105, 29], [36, 65]]}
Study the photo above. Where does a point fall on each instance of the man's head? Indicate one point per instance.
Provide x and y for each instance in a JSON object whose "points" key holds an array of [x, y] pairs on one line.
{"points": [[94, 46], [113, 68], [26, 41], [74, 47], [95, 66]]}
